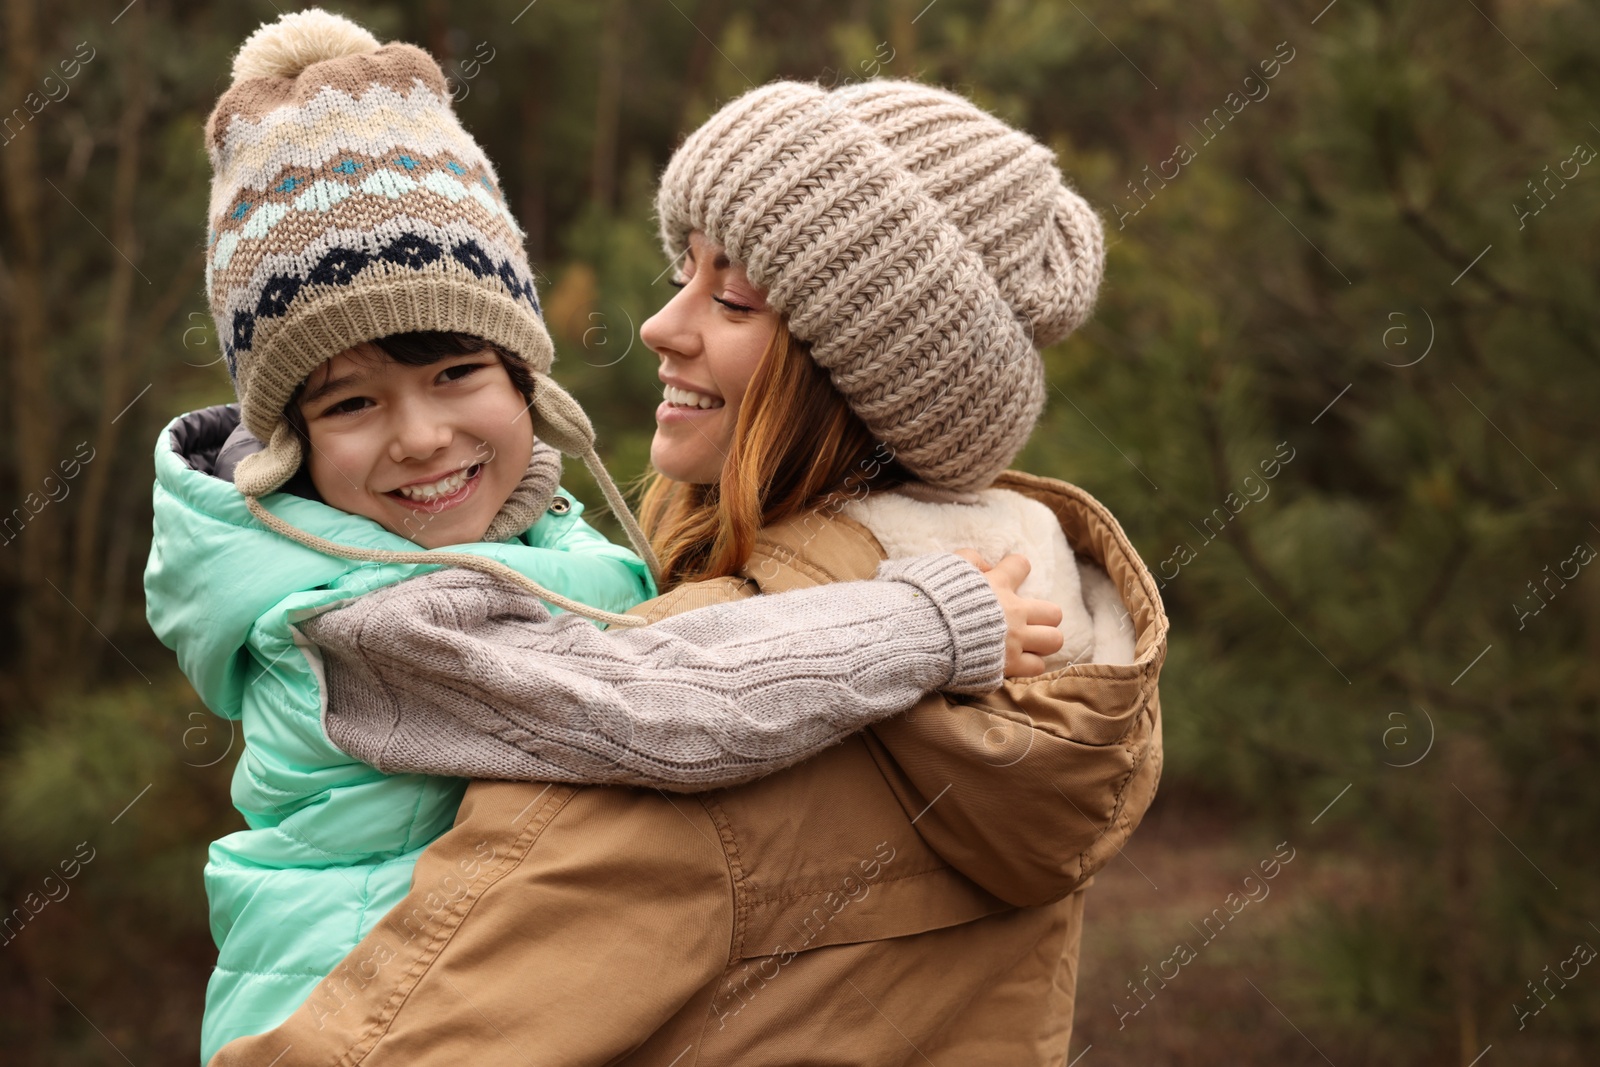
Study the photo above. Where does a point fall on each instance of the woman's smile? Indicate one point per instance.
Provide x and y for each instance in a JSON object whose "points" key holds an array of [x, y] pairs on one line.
{"points": [[682, 397], [684, 403]]}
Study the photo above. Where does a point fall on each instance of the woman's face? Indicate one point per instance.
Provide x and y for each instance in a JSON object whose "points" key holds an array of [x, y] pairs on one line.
{"points": [[430, 453], [710, 339]]}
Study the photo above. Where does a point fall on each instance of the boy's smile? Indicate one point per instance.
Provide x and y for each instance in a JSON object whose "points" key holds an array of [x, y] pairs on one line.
{"points": [[430, 452], [434, 495]]}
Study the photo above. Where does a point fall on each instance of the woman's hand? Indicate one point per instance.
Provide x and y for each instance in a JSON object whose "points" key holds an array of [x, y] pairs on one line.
{"points": [[1032, 626]]}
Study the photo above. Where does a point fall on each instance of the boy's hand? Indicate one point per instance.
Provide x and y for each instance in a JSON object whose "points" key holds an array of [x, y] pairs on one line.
{"points": [[1032, 626]]}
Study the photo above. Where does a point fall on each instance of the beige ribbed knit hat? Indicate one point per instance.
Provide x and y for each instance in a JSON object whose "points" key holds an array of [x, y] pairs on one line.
{"points": [[348, 204], [925, 249]]}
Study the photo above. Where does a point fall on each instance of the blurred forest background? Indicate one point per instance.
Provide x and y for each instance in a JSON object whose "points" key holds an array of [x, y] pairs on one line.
{"points": [[1341, 390]]}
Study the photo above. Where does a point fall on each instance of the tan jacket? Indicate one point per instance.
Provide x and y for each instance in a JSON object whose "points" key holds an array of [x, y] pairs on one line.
{"points": [[915, 892]]}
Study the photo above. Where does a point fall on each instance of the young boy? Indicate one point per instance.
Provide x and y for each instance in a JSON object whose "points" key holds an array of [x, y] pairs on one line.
{"points": [[383, 335]]}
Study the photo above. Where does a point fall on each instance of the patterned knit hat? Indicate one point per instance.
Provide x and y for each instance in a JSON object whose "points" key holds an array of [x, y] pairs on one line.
{"points": [[924, 249], [348, 204]]}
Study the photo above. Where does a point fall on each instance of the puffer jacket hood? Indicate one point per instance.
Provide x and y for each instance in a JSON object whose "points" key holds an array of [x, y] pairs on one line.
{"points": [[213, 571]]}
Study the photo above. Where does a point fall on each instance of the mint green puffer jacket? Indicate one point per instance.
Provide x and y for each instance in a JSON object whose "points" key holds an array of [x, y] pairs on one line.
{"points": [[331, 841]]}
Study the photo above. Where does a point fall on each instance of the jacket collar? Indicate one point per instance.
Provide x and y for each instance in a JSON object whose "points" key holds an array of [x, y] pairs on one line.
{"points": [[813, 549], [1094, 532], [828, 546]]}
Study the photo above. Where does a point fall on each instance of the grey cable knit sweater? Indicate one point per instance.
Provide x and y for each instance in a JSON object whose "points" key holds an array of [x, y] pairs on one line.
{"points": [[457, 673]]}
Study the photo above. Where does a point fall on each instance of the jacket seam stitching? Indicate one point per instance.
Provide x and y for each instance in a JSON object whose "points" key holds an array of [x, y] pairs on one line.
{"points": [[379, 1028], [1119, 795], [803, 894], [739, 880]]}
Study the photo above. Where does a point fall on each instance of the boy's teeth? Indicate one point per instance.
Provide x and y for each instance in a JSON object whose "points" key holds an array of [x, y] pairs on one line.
{"points": [[690, 399], [450, 483]]}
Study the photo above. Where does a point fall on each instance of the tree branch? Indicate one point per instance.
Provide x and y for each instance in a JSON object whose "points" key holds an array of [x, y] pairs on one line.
{"points": [[119, 300]]}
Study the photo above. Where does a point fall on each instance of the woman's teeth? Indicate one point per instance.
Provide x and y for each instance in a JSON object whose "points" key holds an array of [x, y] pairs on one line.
{"points": [[449, 484], [688, 398]]}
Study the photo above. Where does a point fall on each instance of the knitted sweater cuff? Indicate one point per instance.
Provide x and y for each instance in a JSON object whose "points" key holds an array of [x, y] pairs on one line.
{"points": [[969, 608]]}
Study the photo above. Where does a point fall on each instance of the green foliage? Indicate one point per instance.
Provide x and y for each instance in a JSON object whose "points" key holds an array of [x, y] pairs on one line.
{"points": [[75, 771], [1371, 598], [106, 807]]}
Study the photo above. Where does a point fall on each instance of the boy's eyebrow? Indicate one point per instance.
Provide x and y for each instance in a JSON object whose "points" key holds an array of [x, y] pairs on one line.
{"points": [[330, 385]]}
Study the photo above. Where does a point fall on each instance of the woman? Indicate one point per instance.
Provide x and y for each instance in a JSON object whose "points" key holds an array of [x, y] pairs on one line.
{"points": [[865, 276]]}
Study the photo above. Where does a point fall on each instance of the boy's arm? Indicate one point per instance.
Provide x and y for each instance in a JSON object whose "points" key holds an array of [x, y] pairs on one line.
{"points": [[455, 673]]}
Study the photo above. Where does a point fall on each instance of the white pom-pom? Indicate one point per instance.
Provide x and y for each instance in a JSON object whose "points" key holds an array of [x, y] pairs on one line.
{"points": [[284, 48]]}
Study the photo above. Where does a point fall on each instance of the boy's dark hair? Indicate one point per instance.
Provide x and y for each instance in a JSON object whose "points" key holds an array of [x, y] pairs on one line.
{"points": [[420, 348]]}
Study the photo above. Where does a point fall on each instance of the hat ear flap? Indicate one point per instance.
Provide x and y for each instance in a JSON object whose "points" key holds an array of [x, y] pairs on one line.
{"points": [[560, 422], [267, 471], [557, 418]]}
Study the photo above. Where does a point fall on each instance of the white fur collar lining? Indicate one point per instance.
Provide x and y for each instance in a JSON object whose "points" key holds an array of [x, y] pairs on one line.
{"points": [[1095, 624]]}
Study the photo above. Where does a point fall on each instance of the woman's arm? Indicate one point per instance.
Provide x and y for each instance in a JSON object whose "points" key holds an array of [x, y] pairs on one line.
{"points": [[456, 673], [1031, 789]]}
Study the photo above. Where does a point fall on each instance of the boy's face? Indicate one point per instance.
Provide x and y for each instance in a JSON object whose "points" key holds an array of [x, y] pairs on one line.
{"points": [[430, 453]]}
